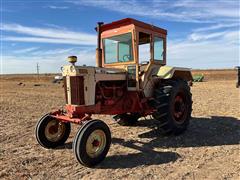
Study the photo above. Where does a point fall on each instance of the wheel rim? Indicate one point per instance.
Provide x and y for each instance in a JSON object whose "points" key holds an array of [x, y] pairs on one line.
{"points": [[54, 130], [180, 108], [96, 143]]}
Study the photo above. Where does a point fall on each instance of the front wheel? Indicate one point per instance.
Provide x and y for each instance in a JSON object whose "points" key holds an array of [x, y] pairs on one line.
{"points": [[51, 133], [92, 143]]}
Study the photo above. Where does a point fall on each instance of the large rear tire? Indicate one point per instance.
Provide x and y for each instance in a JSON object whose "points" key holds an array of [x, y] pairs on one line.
{"points": [[173, 105], [91, 143]]}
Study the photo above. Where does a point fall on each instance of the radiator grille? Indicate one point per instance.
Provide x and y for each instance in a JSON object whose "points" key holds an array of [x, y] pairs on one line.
{"points": [[77, 90]]}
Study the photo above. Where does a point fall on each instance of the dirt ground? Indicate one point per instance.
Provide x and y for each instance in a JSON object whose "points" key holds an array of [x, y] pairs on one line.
{"points": [[209, 149]]}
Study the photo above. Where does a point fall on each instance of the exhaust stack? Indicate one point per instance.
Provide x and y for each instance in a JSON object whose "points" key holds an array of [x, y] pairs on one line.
{"points": [[99, 49]]}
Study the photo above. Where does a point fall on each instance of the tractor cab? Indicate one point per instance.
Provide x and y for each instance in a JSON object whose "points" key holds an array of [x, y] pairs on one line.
{"points": [[131, 45]]}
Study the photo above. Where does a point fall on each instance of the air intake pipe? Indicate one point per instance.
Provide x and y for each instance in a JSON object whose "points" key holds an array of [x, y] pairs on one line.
{"points": [[99, 49]]}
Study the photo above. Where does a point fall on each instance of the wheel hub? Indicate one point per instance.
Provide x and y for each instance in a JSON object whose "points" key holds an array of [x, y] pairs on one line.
{"points": [[96, 143], [54, 130], [179, 108]]}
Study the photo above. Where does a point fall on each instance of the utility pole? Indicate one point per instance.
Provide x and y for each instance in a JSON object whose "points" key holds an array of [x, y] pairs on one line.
{"points": [[38, 71]]}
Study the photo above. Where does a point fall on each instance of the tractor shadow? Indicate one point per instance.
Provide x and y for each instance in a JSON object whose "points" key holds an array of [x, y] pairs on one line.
{"points": [[213, 131], [146, 156], [67, 145]]}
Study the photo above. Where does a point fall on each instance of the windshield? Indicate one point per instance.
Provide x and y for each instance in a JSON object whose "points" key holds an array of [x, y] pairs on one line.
{"points": [[118, 48]]}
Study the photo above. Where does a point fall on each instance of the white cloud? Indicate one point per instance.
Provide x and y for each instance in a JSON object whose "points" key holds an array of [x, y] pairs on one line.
{"points": [[220, 53], [55, 26], [53, 52], [47, 35], [57, 7], [24, 60], [15, 64], [216, 27], [180, 10], [233, 37], [26, 50], [47, 40], [204, 36], [211, 53], [212, 46]]}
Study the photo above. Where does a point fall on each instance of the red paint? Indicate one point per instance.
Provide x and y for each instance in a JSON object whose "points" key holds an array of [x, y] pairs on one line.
{"points": [[131, 102], [128, 21]]}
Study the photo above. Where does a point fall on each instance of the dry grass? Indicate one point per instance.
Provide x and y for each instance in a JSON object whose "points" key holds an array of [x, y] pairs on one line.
{"points": [[209, 148]]}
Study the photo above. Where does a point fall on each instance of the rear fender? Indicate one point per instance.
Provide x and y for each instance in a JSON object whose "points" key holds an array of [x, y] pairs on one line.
{"points": [[168, 72], [155, 73]]}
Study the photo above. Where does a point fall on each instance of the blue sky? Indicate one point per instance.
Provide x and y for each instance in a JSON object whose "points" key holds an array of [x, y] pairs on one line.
{"points": [[201, 33]]}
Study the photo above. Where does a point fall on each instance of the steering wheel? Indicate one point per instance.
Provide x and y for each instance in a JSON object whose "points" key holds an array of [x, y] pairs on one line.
{"points": [[126, 57], [144, 63]]}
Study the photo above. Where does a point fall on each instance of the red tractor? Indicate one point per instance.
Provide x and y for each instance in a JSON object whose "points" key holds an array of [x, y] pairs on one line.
{"points": [[131, 81]]}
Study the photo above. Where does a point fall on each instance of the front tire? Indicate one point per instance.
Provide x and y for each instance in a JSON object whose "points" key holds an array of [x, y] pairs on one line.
{"points": [[173, 105], [51, 133], [92, 143]]}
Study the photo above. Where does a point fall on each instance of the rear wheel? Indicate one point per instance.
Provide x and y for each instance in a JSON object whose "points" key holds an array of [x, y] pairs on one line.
{"points": [[173, 104], [92, 142], [51, 133], [126, 119]]}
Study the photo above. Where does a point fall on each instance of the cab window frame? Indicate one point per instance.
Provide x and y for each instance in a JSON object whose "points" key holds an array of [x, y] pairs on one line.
{"points": [[131, 44]]}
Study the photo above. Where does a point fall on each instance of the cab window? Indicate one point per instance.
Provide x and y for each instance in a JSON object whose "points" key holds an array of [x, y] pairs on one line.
{"points": [[158, 49], [144, 47], [118, 48]]}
